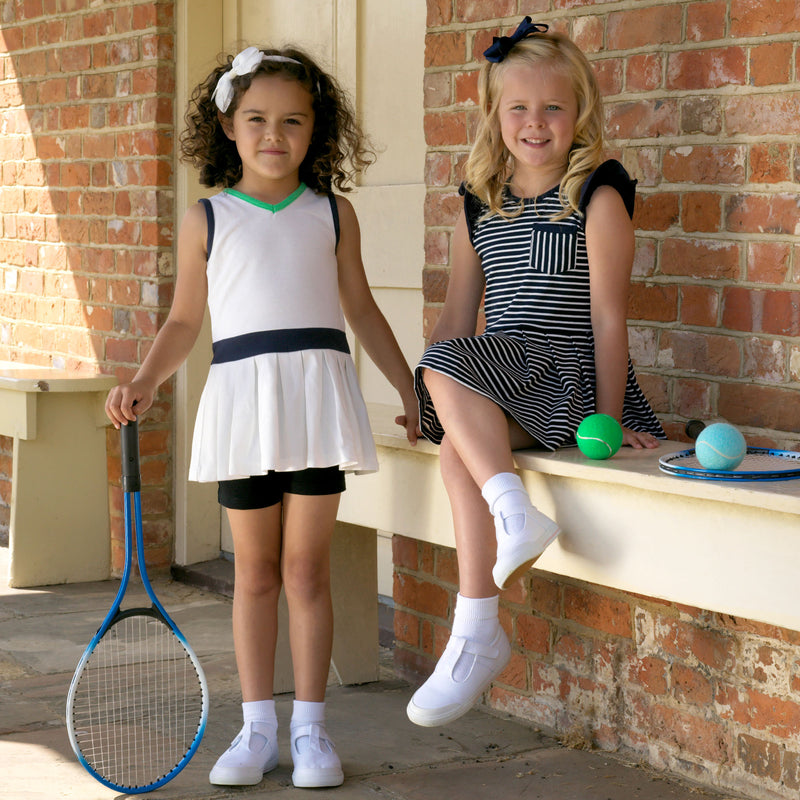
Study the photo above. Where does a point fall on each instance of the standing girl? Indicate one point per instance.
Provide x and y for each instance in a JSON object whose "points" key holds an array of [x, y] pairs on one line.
{"points": [[546, 233], [281, 416]]}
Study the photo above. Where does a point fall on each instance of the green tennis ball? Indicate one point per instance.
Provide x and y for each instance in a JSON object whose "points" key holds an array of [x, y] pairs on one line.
{"points": [[599, 436], [720, 447]]}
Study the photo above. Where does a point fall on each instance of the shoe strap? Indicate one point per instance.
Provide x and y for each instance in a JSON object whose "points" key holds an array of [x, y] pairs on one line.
{"points": [[460, 644], [247, 731], [316, 734]]}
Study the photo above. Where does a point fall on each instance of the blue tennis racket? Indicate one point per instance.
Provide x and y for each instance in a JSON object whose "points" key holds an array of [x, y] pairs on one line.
{"points": [[759, 463], [138, 702]]}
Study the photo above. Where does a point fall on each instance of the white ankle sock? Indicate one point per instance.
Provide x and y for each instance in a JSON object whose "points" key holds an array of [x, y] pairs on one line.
{"points": [[263, 723], [475, 619], [260, 711], [507, 498], [305, 712]]}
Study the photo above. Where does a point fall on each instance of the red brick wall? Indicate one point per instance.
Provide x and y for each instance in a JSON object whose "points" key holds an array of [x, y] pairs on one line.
{"points": [[701, 694], [87, 206], [702, 108]]}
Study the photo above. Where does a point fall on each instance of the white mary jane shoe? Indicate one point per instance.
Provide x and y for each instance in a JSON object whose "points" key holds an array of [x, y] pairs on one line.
{"points": [[316, 764], [252, 753], [516, 551], [443, 698]]}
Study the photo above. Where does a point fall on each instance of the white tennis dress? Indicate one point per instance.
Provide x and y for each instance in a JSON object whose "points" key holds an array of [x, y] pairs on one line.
{"points": [[282, 392]]}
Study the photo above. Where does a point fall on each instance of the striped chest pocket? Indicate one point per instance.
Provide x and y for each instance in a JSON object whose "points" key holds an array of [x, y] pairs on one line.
{"points": [[553, 247]]}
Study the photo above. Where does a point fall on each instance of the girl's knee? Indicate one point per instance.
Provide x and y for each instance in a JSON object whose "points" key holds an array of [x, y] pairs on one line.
{"points": [[259, 579], [306, 579], [449, 459], [447, 450]]}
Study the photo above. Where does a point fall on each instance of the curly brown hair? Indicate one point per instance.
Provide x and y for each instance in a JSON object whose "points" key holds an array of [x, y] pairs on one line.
{"points": [[338, 152]]}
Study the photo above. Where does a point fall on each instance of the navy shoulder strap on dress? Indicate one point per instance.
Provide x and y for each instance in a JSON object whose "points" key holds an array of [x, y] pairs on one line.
{"points": [[335, 214], [210, 224]]}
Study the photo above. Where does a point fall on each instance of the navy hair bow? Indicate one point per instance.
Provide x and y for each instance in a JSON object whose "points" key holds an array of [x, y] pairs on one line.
{"points": [[501, 45]]}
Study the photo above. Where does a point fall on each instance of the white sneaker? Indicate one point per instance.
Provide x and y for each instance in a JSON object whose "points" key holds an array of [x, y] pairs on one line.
{"points": [[252, 753], [316, 763], [516, 551], [449, 692]]}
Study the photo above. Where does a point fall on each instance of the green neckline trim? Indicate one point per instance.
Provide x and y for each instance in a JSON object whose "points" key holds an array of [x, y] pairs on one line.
{"points": [[261, 204]]}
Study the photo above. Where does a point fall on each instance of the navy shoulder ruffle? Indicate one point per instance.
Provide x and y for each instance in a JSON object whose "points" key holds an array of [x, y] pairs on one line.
{"points": [[610, 173], [474, 209]]}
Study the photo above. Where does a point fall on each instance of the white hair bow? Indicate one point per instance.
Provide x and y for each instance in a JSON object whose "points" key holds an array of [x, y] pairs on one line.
{"points": [[245, 63]]}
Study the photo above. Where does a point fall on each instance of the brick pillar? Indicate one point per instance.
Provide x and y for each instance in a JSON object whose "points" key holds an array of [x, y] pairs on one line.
{"points": [[87, 205]]}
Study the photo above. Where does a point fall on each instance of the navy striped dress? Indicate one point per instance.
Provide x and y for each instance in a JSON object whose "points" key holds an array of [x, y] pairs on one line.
{"points": [[536, 356]]}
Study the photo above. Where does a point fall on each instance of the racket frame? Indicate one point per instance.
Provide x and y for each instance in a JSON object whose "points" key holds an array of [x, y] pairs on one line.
{"points": [[131, 483], [667, 464]]}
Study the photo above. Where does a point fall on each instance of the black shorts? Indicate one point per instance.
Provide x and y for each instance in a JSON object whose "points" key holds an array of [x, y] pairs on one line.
{"points": [[261, 491]]}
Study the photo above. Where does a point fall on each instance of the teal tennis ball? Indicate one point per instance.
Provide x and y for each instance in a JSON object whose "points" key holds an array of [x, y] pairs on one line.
{"points": [[720, 446], [599, 436]]}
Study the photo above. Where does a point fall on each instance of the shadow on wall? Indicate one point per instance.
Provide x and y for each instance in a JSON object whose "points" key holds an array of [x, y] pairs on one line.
{"points": [[86, 113], [87, 211]]}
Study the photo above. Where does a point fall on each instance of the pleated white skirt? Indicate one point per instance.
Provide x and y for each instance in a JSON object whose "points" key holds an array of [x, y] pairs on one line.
{"points": [[282, 412]]}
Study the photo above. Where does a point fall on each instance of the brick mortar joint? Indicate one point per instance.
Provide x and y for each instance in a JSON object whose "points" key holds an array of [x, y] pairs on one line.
{"points": [[599, 10], [108, 69], [423, 617], [723, 190], [733, 91], [425, 577], [167, 31], [728, 90]]}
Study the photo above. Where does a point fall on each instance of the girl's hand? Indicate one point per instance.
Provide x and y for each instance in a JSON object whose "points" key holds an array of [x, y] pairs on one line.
{"points": [[121, 400], [638, 441], [410, 419]]}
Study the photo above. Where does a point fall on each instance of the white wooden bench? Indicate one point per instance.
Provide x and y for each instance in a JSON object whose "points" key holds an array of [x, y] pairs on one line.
{"points": [[59, 525], [732, 548]]}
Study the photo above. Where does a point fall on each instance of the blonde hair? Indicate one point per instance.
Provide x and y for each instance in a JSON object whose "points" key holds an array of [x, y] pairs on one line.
{"points": [[489, 166]]}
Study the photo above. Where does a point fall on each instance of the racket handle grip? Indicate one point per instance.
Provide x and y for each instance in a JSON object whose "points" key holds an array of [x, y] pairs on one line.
{"points": [[131, 476], [694, 427]]}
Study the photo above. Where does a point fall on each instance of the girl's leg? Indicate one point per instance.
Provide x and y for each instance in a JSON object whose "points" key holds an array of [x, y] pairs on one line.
{"points": [[257, 551], [481, 435], [476, 547], [257, 587], [478, 649], [478, 469], [476, 427], [308, 529], [473, 524]]}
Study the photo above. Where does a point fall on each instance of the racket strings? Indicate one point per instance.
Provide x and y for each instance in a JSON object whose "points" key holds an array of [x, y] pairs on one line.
{"points": [[138, 703], [758, 464], [752, 462]]}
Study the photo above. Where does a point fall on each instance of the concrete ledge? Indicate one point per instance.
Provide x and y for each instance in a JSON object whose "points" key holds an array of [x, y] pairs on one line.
{"points": [[59, 526], [714, 545]]}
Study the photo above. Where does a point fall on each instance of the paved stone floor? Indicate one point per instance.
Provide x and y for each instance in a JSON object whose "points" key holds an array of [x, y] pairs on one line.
{"points": [[43, 632]]}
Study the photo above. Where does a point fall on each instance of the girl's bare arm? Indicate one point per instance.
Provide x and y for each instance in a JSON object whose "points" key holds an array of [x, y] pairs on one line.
{"points": [[610, 247], [464, 290], [179, 333], [367, 321]]}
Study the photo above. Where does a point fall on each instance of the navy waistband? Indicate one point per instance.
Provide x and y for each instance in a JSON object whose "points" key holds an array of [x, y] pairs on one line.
{"points": [[287, 340]]}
